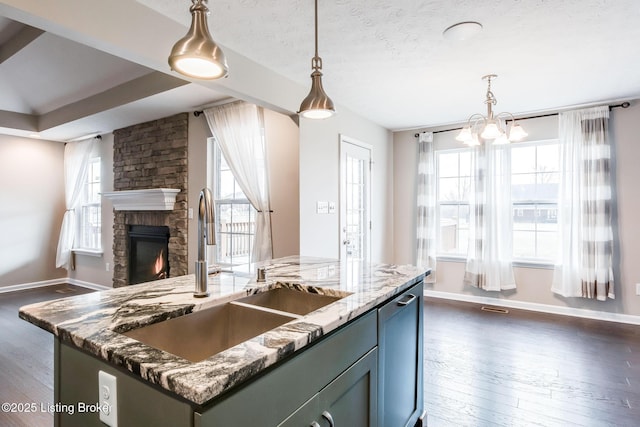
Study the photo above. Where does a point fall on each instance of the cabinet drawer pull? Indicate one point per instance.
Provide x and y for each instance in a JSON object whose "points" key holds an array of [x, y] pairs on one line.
{"points": [[329, 418], [315, 424], [407, 301]]}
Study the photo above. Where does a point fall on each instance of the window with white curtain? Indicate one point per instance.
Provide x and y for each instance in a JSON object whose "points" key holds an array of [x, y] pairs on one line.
{"points": [[535, 170], [89, 237], [235, 217]]}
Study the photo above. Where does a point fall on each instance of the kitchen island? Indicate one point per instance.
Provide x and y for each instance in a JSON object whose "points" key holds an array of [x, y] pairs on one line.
{"points": [[275, 378]]}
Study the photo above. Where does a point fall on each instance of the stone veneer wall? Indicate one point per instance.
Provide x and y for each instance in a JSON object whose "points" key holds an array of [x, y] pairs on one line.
{"points": [[151, 155]]}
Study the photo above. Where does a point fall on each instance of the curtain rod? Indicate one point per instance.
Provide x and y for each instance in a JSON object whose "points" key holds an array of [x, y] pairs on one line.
{"points": [[197, 113], [622, 105], [82, 138]]}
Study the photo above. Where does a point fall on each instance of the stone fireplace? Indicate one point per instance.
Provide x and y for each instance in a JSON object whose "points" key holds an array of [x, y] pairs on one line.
{"points": [[151, 155]]}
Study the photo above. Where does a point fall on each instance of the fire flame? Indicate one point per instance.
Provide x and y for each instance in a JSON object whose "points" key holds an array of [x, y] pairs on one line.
{"points": [[158, 265]]}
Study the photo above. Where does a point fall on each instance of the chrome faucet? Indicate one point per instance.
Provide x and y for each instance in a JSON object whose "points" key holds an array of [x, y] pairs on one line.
{"points": [[206, 236]]}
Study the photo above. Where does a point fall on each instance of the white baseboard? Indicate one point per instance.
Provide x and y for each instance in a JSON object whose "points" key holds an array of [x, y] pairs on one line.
{"points": [[88, 285], [43, 283], [542, 308], [32, 285]]}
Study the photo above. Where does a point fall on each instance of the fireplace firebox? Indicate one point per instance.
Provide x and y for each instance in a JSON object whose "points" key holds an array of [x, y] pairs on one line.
{"points": [[148, 253]]}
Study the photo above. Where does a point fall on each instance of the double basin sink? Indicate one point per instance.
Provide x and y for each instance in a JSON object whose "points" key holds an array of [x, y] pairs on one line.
{"points": [[199, 335]]}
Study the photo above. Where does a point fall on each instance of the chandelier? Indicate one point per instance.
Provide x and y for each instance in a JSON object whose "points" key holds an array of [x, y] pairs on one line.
{"points": [[491, 127]]}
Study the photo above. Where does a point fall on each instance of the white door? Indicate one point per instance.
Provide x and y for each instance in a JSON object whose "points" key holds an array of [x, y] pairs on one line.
{"points": [[355, 200]]}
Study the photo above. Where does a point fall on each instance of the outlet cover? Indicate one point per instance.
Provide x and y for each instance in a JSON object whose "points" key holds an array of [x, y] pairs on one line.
{"points": [[108, 397]]}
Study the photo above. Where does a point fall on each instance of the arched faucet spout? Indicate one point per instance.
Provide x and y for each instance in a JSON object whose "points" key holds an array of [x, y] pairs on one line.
{"points": [[206, 236]]}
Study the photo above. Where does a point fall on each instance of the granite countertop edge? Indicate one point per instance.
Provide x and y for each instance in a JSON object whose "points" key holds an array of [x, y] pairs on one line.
{"points": [[94, 322]]}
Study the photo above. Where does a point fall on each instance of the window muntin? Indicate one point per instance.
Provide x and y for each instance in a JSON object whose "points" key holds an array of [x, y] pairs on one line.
{"points": [[235, 216], [452, 194], [89, 212], [535, 177]]}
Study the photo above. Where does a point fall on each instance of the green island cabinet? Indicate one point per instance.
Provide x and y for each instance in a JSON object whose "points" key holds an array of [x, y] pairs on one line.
{"points": [[366, 374]]}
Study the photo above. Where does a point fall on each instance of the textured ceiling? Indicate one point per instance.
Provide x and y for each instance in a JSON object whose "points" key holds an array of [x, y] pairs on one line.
{"points": [[385, 60], [388, 61]]}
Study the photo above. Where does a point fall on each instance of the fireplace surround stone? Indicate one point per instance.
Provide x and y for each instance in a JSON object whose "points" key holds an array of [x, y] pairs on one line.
{"points": [[152, 155]]}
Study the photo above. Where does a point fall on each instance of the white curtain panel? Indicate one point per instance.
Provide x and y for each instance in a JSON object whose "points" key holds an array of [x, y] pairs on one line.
{"points": [[426, 226], [489, 266], [585, 267], [238, 128], [77, 155]]}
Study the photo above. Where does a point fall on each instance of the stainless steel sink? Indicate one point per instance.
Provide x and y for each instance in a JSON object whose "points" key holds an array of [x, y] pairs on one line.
{"points": [[202, 334], [290, 300]]}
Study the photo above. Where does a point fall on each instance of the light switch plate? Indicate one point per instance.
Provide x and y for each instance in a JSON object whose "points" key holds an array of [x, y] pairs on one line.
{"points": [[637, 288], [322, 207], [108, 394]]}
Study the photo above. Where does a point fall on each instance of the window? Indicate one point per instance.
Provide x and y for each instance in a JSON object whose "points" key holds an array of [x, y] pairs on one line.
{"points": [[535, 174], [454, 182], [235, 217], [89, 213]]}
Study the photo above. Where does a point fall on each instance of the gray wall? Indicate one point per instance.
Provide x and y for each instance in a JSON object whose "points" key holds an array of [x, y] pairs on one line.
{"points": [[31, 209], [319, 181], [534, 284]]}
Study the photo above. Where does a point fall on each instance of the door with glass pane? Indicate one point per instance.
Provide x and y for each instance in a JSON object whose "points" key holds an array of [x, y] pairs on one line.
{"points": [[355, 200]]}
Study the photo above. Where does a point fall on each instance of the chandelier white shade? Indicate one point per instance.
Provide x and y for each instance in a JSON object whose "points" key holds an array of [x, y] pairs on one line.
{"points": [[196, 55], [491, 127], [317, 105]]}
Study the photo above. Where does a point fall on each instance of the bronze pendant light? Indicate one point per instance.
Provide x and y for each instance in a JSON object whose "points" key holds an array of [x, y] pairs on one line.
{"points": [[317, 105], [196, 55]]}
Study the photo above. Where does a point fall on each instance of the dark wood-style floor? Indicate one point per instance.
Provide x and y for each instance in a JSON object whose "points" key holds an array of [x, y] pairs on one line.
{"points": [[26, 357], [481, 368], [528, 369]]}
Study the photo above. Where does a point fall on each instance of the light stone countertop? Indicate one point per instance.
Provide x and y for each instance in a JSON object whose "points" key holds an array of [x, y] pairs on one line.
{"points": [[95, 322]]}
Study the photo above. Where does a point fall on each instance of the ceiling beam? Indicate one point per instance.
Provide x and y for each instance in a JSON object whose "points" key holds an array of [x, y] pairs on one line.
{"points": [[18, 42], [20, 121], [142, 87]]}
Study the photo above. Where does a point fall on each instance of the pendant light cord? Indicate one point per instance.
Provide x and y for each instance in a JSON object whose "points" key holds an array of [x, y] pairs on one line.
{"points": [[316, 22], [316, 61]]}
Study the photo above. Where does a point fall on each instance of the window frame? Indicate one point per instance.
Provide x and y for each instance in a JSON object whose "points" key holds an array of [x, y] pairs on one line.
{"points": [[458, 203], [214, 178], [92, 203], [538, 262]]}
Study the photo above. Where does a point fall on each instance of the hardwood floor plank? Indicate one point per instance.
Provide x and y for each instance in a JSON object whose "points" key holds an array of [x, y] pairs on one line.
{"points": [[525, 368], [26, 357]]}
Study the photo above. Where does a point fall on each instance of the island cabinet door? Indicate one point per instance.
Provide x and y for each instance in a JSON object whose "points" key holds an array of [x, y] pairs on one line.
{"points": [[348, 401], [351, 400], [400, 396]]}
